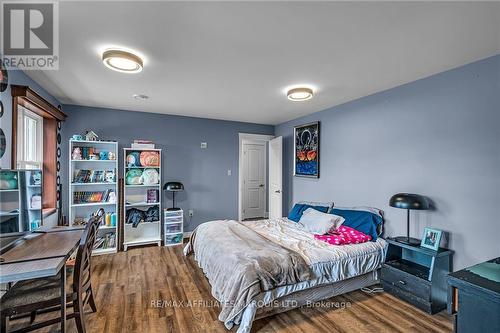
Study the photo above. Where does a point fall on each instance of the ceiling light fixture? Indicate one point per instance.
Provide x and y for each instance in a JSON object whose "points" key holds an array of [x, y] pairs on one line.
{"points": [[122, 61], [299, 94], [140, 97]]}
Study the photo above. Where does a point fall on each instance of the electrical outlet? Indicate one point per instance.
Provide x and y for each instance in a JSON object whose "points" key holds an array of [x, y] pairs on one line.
{"points": [[191, 212], [229, 172], [203, 145]]}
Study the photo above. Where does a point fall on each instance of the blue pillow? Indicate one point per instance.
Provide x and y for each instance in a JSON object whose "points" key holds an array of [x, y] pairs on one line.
{"points": [[363, 221], [297, 211]]}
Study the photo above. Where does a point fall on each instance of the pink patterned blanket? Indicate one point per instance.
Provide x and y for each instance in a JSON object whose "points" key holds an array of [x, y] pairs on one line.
{"points": [[344, 235]]}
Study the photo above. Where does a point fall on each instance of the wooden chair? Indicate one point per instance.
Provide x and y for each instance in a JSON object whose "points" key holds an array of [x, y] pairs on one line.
{"points": [[40, 295]]}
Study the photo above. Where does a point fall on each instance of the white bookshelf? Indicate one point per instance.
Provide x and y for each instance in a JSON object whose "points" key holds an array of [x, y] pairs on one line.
{"points": [[10, 203], [17, 202], [135, 197], [173, 227], [85, 209]]}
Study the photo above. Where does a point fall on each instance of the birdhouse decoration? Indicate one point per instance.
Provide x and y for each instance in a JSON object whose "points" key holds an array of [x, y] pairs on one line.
{"points": [[91, 136]]}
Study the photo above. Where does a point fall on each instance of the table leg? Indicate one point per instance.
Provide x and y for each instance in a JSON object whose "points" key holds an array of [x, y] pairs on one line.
{"points": [[63, 298]]}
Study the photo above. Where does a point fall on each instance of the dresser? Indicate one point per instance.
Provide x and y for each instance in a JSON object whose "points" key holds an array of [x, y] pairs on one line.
{"points": [[417, 275], [474, 297]]}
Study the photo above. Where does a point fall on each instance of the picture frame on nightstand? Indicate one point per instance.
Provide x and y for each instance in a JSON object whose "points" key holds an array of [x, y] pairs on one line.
{"points": [[431, 238]]}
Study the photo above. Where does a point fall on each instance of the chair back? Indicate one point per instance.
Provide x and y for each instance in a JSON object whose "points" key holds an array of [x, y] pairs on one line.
{"points": [[81, 274]]}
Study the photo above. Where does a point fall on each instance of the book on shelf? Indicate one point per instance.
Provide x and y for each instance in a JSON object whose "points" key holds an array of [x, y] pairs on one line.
{"points": [[142, 144], [87, 152], [106, 241], [94, 176], [152, 196], [82, 197]]}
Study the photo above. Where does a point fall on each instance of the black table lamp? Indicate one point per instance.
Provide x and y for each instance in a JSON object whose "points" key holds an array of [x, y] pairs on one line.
{"points": [[173, 187], [409, 201]]}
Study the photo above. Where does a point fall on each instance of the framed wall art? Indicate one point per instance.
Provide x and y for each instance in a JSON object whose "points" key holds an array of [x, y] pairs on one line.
{"points": [[306, 150]]}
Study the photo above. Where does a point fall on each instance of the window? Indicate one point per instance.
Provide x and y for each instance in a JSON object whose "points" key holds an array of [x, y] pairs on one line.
{"points": [[35, 139], [30, 140]]}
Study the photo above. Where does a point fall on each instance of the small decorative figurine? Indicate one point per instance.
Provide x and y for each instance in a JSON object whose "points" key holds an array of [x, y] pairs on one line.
{"points": [[36, 201], [91, 136], [109, 176], [104, 155], [77, 154], [111, 155], [79, 221], [36, 178], [112, 197]]}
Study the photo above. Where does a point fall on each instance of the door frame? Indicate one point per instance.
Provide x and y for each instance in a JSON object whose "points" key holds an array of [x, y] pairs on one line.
{"points": [[276, 156], [248, 137]]}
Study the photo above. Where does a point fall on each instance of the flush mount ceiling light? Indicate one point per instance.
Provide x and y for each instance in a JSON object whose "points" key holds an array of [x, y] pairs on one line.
{"points": [[122, 61], [299, 94], [140, 97]]}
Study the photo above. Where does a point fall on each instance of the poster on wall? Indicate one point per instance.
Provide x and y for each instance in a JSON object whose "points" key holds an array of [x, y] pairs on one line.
{"points": [[306, 149]]}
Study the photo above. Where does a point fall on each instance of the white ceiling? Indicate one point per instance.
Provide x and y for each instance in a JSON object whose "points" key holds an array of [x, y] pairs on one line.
{"points": [[233, 60]]}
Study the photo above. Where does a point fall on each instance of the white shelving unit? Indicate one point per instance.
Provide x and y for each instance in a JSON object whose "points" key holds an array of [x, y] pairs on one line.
{"points": [[10, 203], [173, 227], [34, 212], [135, 196], [84, 210], [17, 202]]}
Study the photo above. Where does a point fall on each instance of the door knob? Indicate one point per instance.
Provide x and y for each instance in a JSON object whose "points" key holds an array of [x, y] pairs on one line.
{"points": [[261, 185], [277, 191]]}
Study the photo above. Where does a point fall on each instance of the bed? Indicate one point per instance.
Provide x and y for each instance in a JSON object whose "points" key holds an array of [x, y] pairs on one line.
{"points": [[264, 267]]}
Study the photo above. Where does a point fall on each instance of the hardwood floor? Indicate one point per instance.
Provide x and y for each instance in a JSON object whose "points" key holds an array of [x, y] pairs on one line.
{"points": [[131, 286]]}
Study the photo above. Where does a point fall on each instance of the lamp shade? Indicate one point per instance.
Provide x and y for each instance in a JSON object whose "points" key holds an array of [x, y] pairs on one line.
{"points": [[173, 186], [409, 201]]}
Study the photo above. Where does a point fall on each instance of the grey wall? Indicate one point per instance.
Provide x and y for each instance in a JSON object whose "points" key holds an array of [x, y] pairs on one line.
{"points": [[439, 136], [209, 190], [19, 78]]}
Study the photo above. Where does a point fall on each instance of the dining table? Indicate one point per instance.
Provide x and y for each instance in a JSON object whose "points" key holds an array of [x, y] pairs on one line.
{"points": [[39, 254]]}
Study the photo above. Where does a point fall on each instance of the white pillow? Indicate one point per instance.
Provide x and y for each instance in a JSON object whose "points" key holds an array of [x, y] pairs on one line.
{"points": [[372, 210], [319, 223], [316, 203]]}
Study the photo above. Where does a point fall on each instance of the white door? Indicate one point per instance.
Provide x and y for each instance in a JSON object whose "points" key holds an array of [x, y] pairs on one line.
{"points": [[254, 180], [275, 177]]}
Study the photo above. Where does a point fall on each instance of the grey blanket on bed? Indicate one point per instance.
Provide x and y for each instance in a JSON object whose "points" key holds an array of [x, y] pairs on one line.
{"points": [[239, 264]]}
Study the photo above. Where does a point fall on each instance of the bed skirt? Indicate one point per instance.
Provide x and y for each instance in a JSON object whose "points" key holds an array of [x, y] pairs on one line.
{"points": [[261, 306]]}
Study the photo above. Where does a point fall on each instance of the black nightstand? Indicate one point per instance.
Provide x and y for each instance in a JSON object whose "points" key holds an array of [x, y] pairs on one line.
{"points": [[417, 275]]}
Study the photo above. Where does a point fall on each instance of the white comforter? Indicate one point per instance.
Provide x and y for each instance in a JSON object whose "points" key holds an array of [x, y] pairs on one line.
{"points": [[329, 262]]}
